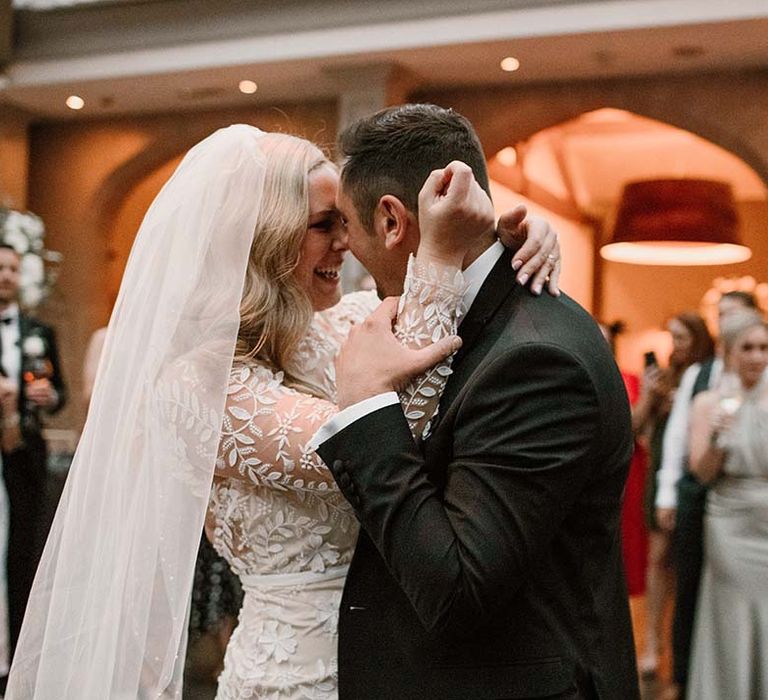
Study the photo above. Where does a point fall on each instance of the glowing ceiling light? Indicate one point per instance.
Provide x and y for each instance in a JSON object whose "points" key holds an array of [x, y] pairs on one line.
{"points": [[248, 87], [665, 253], [75, 102], [510, 64]]}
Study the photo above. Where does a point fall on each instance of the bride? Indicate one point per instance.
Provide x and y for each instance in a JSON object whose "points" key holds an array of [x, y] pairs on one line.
{"points": [[238, 250]]}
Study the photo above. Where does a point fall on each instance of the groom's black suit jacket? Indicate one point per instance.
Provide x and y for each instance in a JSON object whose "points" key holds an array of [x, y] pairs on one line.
{"points": [[489, 562]]}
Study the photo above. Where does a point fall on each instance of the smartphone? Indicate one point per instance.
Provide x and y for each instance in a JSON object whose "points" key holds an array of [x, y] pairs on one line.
{"points": [[650, 359]]}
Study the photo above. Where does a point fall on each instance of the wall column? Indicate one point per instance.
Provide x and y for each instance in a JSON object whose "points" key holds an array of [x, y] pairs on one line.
{"points": [[14, 158]]}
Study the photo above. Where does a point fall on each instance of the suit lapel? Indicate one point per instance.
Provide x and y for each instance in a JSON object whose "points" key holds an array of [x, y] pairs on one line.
{"points": [[496, 288]]}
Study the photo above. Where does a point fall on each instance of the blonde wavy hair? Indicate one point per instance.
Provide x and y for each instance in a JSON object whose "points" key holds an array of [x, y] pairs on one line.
{"points": [[275, 311]]}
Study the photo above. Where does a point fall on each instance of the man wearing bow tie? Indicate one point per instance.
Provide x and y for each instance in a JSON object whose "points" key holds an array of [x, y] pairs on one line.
{"points": [[27, 352]]}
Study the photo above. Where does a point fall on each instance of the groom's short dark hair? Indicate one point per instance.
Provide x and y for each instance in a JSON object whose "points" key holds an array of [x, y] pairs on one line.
{"points": [[394, 150]]}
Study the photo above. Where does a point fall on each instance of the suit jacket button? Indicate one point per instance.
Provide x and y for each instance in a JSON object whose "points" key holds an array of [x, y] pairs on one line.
{"points": [[344, 480], [337, 465]]}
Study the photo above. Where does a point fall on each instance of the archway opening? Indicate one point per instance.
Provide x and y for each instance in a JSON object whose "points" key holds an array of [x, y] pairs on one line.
{"points": [[574, 174], [128, 216]]}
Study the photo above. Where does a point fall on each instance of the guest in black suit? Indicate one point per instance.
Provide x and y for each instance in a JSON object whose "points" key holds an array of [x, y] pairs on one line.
{"points": [[489, 561], [28, 348]]}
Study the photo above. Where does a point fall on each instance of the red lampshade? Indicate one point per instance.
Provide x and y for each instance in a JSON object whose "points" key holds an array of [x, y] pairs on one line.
{"points": [[676, 222]]}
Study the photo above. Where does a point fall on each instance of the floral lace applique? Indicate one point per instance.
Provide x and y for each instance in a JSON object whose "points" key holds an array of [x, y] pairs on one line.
{"points": [[428, 311], [267, 425]]}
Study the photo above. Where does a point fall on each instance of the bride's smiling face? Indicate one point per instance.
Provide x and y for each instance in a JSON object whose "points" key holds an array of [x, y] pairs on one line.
{"points": [[322, 252]]}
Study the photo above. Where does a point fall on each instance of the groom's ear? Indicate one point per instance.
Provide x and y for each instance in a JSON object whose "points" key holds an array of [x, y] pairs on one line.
{"points": [[392, 221]]}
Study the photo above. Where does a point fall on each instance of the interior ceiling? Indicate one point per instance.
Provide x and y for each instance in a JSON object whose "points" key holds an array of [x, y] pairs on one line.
{"points": [[169, 78], [579, 168]]}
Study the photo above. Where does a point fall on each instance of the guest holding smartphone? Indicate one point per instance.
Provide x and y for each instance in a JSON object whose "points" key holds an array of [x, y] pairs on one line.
{"points": [[691, 342]]}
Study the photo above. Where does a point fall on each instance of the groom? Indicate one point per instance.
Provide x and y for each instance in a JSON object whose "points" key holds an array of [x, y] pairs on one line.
{"points": [[489, 561]]}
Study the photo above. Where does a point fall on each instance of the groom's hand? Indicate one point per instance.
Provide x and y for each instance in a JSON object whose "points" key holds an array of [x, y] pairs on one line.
{"points": [[372, 361]]}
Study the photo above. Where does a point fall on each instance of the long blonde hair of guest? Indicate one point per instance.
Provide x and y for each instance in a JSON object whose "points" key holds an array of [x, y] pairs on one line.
{"points": [[275, 311]]}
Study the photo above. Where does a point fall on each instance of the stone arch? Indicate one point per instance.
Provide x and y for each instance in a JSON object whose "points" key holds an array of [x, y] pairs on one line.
{"points": [[118, 183], [117, 186], [715, 109], [715, 132], [726, 112]]}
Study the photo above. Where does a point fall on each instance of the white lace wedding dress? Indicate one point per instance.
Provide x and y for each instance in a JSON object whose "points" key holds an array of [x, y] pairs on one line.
{"points": [[277, 516]]}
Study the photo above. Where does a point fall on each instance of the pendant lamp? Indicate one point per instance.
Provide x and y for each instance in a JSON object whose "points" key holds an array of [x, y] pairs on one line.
{"points": [[676, 222]]}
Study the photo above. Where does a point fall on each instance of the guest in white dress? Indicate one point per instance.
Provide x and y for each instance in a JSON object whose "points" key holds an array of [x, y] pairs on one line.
{"points": [[729, 450]]}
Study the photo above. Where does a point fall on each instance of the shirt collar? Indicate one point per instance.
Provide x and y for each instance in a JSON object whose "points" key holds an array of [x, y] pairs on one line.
{"points": [[475, 274], [11, 312]]}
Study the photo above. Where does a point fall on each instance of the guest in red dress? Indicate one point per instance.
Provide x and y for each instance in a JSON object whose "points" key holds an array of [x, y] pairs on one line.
{"points": [[634, 534]]}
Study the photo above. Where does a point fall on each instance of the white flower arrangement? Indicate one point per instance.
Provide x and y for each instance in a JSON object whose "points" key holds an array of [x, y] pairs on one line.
{"points": [[34, 346], [25, 232]]}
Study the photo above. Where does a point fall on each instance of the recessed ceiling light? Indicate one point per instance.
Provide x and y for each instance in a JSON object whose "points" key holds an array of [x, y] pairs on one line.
{"points": [[507, 156], [75, 102], [510, 64], [248, 87]]}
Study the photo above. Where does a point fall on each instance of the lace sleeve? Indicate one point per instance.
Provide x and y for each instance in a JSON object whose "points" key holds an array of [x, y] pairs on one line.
{"points": [[329, 329], [429, 310], [267, 425], [265, 430]]}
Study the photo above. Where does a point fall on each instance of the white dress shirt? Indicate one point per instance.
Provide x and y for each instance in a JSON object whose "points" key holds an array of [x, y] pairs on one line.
{"points": [[474, 276], [9, 337], [674, 449]]}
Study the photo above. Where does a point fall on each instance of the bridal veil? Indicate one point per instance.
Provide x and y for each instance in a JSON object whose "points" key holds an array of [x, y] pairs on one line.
{"points": [[108, 612]]}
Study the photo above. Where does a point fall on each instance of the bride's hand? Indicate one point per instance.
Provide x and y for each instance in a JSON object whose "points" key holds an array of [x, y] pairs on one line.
{"points": [[372, 361], [537, 256], [454, 212]]}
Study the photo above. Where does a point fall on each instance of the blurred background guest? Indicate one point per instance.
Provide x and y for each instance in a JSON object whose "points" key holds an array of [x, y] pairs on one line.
{"points": [[729, 450], [10, 437], [91, 363], [216, 600], [691, 342], [634, 534], [29, 359], [681, 496]]}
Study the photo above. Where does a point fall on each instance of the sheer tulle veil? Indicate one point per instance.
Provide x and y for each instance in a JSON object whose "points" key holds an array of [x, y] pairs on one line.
{"points": [[108, 612]]}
